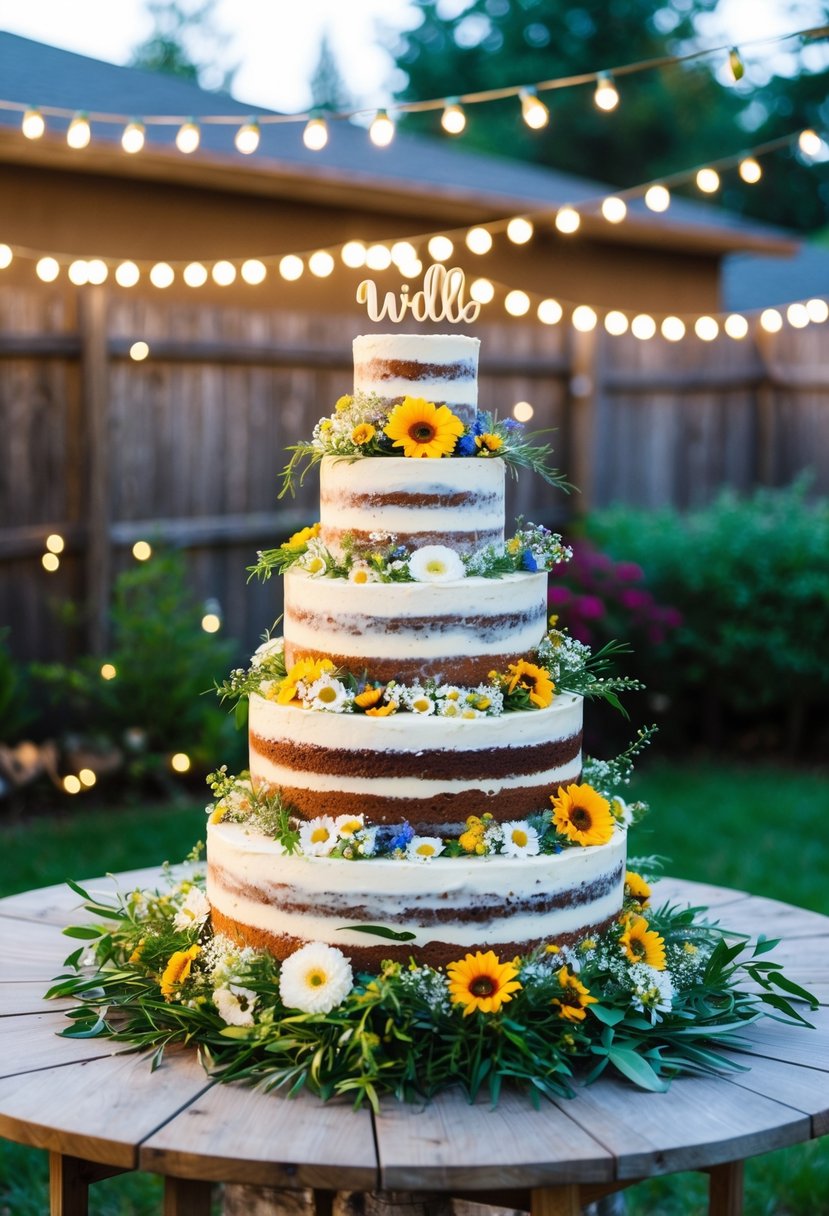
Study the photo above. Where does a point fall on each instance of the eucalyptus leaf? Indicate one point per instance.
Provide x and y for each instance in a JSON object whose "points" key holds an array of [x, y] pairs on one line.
{"points": [[394, 935]]}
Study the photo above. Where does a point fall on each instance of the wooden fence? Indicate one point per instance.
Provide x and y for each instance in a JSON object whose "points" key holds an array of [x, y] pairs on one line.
{"points": [[186, 446]]}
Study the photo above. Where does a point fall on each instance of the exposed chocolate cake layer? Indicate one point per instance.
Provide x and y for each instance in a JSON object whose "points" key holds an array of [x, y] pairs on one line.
{"points": [[414, 370], [467, 671]]}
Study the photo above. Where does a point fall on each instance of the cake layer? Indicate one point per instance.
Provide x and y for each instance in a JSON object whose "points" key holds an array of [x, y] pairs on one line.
{"points": [[457, 502], [442, 368], [456, 631], [452, 905], [431, 771]]}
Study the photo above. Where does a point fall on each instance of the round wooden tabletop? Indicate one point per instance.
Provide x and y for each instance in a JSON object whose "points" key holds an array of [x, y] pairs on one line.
{"points": [[87, 1098]]}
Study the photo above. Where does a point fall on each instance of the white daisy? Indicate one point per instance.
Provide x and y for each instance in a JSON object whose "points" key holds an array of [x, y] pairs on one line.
{"points": [[519, 839], [436, 564], [424, 848], [449, 709], [235, 1004], [347, 825], [315, 979], [269, 646], [194, 911], [327, 694], [361, 572], [652, 991], [313, 562], [449, 692], [621, 811], [419, 701], [317, 837]]}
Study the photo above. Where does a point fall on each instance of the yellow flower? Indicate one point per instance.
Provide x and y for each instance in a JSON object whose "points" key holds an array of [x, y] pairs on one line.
{"points": [[636, 888], [369, 698], [382, 711], [643, 945], [307, 670], [325, 425], [300, 539], [422, 428], [552, 948], [364, 432], [690, 948], [177, 970], [535, 679], [137, 952], [582, 815], [574, 997], [480, 981], [513, 545], [473, 837], [343, 403], [488, 443]]}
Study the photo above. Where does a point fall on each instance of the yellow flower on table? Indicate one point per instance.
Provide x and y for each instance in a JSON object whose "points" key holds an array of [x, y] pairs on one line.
{"points": [[535, 679], [177, 970], [422, 428], [480, 981], [643, 945], [574, 999], [582, 815]]}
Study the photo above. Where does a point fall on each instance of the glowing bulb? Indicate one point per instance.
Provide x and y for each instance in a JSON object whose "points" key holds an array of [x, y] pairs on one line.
{"points": [[50, 562], [673, 329], [87, 777], [33, 124], [78, 272], [736, 326], [403, 253], [291, 267], [381, 131], [47, 269], [482, 291], [616, 323], [440, 248], [411, 270], [180, 762], [211, 623], [224, 273], [253, 271], [750, 170], [378, 257], [735, 64], [55, 542], [568, 220], [818, 311], [549, 312], [706, 328], [5, 256], [798, 316], [321, 263], [606, 96], [133, 138], [139, 351], [657, 198], [517, 303], [522, 411], [97, 272], [584, 318], [188, 137], [453, 119], [79, 132], [127, 274], [194, 274], [708, 181], [353, 254], [142, 550], [108, 671], [315, 135], [771, 321], [478, 240], [614, 210], [247, 137], [643, 327], [162, 275], [71, 784], [533, 110], [809, 142], [520, 230]]}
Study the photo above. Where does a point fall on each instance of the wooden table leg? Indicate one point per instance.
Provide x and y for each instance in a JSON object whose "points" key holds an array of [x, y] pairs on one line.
{"points": [[725, 1189], [69, 1181], [555, 1201], [186, 1197]]}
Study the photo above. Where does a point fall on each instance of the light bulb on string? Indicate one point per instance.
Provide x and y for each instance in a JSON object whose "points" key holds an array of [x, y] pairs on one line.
{"points": [[584, 318], [33, 123], [403, 253], [291, 267], [315, 134], [55, 542], [253, 271], [50, 562], [381, 131], [97, 272], [188, 137], [673, 329], [162, 275], [482, 291], [657, 198], [440, 248], [378, 257], [549, 312], [798, 316], [643, 327], [353, 254], [453, 119], [79, 133], [517, 303], [735, 326], [614, 210], [567, 220], [818, 311], [771, 320], [533, 110], [223, 273], [411, 270], [706, 328], [133, 137], [606, 96], [478, 240], [78, 273], [809, 142], [708, 181], [127, 274], [194, 274], [750, 170], [520, 230], [6, 256], [139, 351], [247, 137], [47, 269], [616, 323], [736, 65], [321, 264]]}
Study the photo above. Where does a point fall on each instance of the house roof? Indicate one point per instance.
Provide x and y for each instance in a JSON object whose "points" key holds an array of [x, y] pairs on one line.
{"points": [[749, 281], [444, 182]]}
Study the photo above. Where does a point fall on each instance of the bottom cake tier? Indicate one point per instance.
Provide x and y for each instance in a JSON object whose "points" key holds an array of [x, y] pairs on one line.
{"points": [[261, 896]]}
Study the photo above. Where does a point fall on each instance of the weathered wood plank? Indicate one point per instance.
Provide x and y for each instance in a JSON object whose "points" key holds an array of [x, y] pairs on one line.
{"points": [[793, 1044], [236, 1134], [696, 894], [803, 1088], [31, 951], [32, 1041], [22, 997]]}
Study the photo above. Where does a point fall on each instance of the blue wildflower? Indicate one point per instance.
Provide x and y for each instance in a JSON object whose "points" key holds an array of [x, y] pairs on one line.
{"points": [[398, 552], [466, 446], [391, 837], [512, 424], [479, 425], [528, 561]]}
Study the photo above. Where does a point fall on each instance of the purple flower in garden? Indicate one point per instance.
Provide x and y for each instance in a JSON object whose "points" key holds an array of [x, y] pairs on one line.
{"points": [[635, 598], [589, 607], [629, 572], [466, 446], [559, 595]]}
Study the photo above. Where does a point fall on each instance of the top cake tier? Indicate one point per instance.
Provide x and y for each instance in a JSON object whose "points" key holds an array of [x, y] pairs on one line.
{"points": [[442, 368]]}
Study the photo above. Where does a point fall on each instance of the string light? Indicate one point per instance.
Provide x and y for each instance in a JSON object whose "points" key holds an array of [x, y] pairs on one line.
{"points": [[142, 551], [211, 622], [253, 271], [522, 411], [55, 542], [453, 119], [482, 291], [321, 264], [224, 273], [315, 135], [87, 778], [616, 323], [378, 257], [673, 329], [708, 181], [606, 96], [139, 351], [194, 274], [162, 275], [706, 328], [735, 326], [188, 137], [47, 269], [797, 315], [79, 133], [97, 272], [50, 562], [517, 303], [440, 248], [749, 170], [108, 671], [735, 64], [33, 124], [614, 210], [533, 110], [77, 272], [353, 254], [71, 784], [549, 312], [412, 270], [643, 327], [771, 320], [247, 137], [403, 253], [809, 142], [381, 131], [520, 230], [818, 311], [567, 220], [127, 274], [291, 267], [6, 256], [584, 318], [180, 762], [657, 198], [134, 137], [478, 240]]}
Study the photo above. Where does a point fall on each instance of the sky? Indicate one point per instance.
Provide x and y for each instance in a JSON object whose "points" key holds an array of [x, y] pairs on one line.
{"points": [[276, 42]]}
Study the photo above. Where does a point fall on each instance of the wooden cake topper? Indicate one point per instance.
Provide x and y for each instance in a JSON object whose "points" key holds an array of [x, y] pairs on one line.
{"points": [[440, 299]]}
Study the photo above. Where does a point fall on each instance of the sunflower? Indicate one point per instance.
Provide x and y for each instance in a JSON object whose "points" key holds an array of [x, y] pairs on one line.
{"points": [[177, 970], [488, 442], [643, 945], [422, 428], [534, 679], [364, 432], [582, 815], [480, 981], [383, 711], [369, 697], [636, 888], [574, 998], [306, 671]]}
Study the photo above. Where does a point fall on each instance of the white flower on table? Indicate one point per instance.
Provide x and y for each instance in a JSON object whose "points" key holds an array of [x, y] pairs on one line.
{"points": [[235, 1004], [315, 979], [194, 911], [436, 564]]}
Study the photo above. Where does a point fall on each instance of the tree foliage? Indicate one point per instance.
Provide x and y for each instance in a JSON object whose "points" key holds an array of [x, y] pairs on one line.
{"points": [[185, 41]]}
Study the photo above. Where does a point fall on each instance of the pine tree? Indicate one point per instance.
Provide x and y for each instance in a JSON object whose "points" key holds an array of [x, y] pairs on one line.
{"points": [[185, 41], [328, 89]]}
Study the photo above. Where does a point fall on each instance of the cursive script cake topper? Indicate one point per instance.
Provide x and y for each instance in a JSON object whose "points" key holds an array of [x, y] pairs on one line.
{"points": [[441, 298]]}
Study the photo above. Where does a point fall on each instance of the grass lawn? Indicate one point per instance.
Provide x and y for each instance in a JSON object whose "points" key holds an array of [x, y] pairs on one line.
{"points": [[733, 825]]}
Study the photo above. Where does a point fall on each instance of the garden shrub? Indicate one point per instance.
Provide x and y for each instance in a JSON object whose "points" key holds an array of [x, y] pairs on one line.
{"points": [[14, 714]]}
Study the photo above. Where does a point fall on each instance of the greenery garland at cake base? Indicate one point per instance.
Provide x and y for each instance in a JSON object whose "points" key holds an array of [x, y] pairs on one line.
{"points": [[660, 993]]}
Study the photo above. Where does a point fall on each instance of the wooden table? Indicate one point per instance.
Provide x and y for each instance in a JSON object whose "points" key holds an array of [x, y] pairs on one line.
{"points": [[100, 1112]]}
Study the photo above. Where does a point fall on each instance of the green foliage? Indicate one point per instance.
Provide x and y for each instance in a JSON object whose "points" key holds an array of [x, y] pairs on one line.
{"points": [[14, 715], [185, 41]]}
